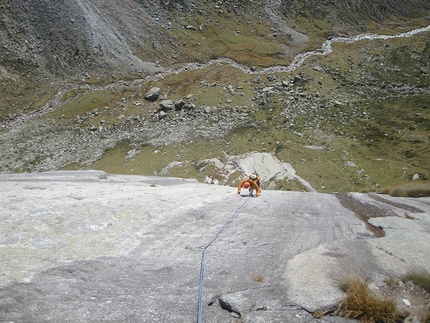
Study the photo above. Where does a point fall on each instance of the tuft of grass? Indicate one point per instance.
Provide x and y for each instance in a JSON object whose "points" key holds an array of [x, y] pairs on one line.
{"points": [[319, 314], [410, 217], [420, 278], [362, 305], [259, 278], [391, 281]]}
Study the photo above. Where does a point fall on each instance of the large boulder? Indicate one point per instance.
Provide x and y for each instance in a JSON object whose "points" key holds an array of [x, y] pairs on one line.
{"points": [[167, 105], [179, 105], [152, 94], [268, 167]]}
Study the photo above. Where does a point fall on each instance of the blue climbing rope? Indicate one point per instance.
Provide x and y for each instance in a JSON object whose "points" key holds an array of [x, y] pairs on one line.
{"points": [[202, 268]]}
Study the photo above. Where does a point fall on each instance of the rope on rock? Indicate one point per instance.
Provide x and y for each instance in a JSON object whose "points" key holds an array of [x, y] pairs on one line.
{"points": [[203, 267]]}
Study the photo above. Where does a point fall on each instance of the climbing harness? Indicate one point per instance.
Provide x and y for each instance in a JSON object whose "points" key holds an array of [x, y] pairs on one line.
{"points": [[202, 268]]}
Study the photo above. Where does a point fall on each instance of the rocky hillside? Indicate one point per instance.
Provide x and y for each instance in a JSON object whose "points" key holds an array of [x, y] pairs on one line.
{"points": [[66, 38], [231, 77]]}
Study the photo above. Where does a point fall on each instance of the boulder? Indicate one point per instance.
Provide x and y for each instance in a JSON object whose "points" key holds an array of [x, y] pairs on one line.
{"points": [[271, 78], [162, 115], [268, 167], [239, 302], [167, 105], [191, 106], [297, 79], [179, 105], [152, 94], [268, 89]]}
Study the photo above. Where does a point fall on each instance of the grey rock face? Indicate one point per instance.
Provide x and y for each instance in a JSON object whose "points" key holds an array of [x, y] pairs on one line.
{"points": [[76, 36], [100, 247]]}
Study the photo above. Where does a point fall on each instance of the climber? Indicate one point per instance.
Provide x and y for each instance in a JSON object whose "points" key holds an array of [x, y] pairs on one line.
{"points": [[251, 182]]}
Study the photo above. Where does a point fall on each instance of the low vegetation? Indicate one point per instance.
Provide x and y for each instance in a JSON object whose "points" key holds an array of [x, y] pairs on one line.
{"points": [[387, 303], [361, 304], [417, 189], [411, 190], [259, 278], [420, 278]]}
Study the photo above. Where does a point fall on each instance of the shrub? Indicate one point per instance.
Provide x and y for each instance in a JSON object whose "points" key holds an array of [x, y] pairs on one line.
{"points": [[362, 305], [420, 278], [319, 314], [411, 190]]}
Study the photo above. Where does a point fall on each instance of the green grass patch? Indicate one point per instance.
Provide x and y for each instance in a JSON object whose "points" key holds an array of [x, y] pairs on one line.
{"points": [[81, 104], [151, 160], [113, 160], [21, 95], [324, 168], [73, 93], [226, 35], [420, 278], [289, 185], [209, 86], [101, 106]]}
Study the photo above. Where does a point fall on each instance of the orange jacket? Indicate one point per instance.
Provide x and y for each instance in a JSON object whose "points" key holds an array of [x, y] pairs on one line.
{"points": [[255, 184]]}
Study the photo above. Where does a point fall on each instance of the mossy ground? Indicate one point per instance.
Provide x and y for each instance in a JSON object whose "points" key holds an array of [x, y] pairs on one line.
{"points": [[21, 95], [241, 38]]}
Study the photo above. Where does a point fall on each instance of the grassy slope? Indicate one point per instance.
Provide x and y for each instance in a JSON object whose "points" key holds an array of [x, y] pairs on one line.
{"points": [[384, 132]]}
